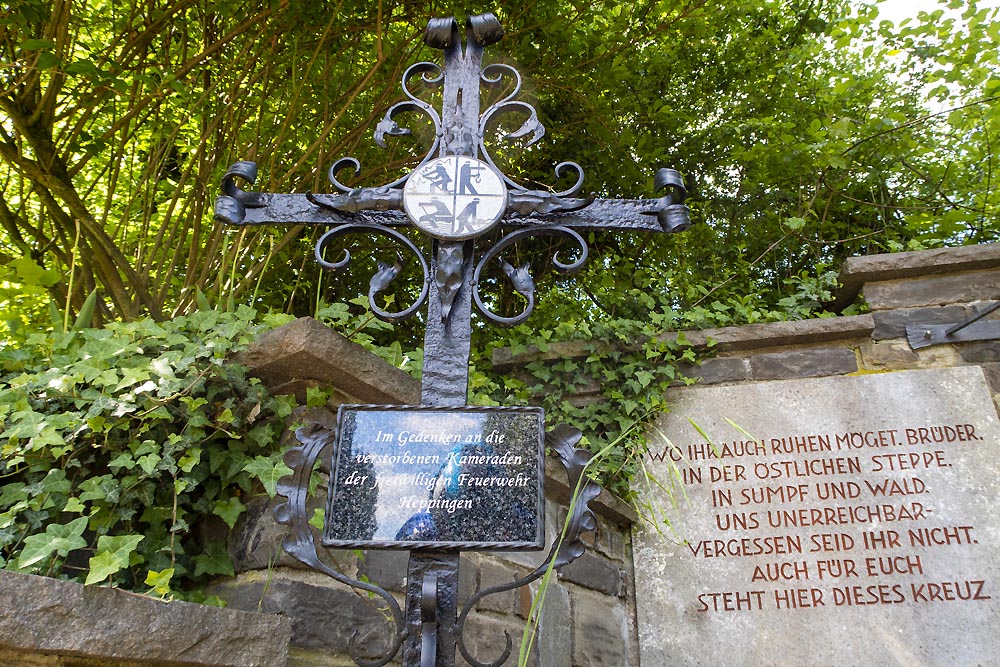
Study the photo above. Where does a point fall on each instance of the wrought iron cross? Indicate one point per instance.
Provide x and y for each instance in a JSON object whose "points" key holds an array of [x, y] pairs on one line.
{"points": [[454, 195]]}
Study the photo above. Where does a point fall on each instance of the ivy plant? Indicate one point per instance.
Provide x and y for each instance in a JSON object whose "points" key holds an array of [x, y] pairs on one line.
{"points": [[126, 451]]}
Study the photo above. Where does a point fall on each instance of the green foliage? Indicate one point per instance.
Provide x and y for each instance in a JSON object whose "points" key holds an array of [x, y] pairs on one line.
{"points": [[808, 132], [122, 446]]}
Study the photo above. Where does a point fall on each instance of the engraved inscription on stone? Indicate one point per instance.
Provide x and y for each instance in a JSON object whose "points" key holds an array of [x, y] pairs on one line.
{"points": [[455, 197], [848, 521], [467, 475]]}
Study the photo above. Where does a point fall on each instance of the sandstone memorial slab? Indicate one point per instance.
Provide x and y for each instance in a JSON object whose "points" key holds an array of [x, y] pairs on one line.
{"points": [[847, 521]]}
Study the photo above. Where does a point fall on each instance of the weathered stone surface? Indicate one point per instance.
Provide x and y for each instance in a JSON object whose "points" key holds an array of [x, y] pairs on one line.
{"points": [[504, 359], [385, 568], [992, 372], [255, 542], [803, 363], [600, 634], [306, 351], [496, 574], [857, 271], [555, 631], [298, 657], [893, 323], [825, 529], [888, 355], [727, 339], [485, 639], [933, 290], [322, 617], [595, 573], [714, 371], [42, 615], [778, 334], [980, 352], [896, 355]]}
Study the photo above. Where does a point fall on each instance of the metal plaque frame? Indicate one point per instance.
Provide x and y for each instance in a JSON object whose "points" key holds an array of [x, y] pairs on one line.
{"points": [[342, 469]]}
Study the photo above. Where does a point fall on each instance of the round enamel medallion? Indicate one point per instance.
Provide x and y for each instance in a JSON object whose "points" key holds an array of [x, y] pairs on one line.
{"points": [[455, 197]]}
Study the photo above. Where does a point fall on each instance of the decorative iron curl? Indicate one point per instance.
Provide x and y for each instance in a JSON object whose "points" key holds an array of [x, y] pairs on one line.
{"points": [[431, 74], [670, 210], [301, 542], [519, 277], [521, 199], [385, 274], [231, 206], [567, 547]]}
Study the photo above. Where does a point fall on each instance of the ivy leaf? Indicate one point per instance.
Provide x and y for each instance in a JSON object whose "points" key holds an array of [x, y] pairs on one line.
{"points": [[214, 560], [149, 462], [112, 556], [229, 510], [318, 518], [268, 472], [160, 581], [190, 460], [58, 538], [74, 505], [644, 378]]}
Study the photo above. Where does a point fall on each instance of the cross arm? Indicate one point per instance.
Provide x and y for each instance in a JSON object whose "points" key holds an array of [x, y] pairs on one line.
{"points": [[382, 206]]}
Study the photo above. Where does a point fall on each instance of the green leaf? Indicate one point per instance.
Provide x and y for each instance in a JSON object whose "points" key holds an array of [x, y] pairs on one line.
{"points": [[268, 472], [84, 67], [316, 397], [47, 60], [57, 538], [86, 313], [230, 510], [74, 505], [113, 554], [149, 462], [160, 581], [37, 44], [214, 560], [317, 520], [190, 460]]}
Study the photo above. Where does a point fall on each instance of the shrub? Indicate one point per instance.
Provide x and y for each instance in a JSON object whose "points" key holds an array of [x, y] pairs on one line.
{"points": [[122, 445]]}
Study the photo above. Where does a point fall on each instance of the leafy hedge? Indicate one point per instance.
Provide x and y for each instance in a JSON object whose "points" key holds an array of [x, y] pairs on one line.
{"points": [[121, 446]]}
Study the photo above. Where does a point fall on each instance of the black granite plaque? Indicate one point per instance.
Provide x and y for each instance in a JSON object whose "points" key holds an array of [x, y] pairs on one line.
{"points": [[469, 478]]}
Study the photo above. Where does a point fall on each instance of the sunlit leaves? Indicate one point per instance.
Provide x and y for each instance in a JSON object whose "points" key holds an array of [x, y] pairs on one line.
{"points": [[138, 433]]}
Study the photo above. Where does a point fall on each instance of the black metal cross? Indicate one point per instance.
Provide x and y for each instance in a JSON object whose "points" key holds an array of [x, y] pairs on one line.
{"points": [[454, 195]]}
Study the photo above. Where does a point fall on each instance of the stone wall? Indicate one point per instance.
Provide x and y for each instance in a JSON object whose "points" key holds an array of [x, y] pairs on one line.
{"points": [[302, 619], [910, 288], [299, 618], [913, 289], [53, 623], [588, 618]]}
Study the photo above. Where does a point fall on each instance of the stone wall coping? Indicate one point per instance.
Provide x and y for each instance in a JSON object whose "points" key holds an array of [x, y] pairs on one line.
{"points": [[725, 339], [52, 616], [607, 505], [305, 352], [856, 271]]}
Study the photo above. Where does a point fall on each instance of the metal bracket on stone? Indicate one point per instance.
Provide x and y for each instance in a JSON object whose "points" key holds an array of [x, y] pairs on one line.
{"points": [[567, 547], [925, 335]]}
